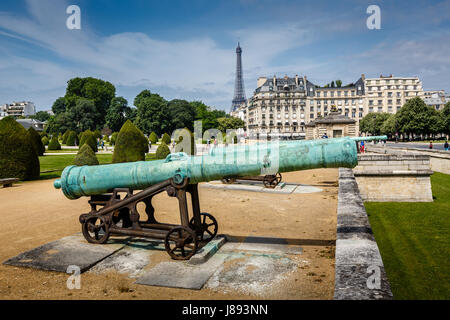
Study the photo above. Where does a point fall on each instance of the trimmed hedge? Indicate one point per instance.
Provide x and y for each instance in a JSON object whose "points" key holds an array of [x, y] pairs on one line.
{"points": [[131, 144], [18, 158], [85, 157], [88, 137], [163, 151], [166, 139], [64, 137], [36, 141], [45, 140], [71, 138], [54, 143], [113, 138], [153, 138]]}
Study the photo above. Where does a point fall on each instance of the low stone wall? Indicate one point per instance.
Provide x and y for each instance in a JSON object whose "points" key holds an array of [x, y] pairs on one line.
{"points": [[359, 269], [397, 178], [439, 160]]}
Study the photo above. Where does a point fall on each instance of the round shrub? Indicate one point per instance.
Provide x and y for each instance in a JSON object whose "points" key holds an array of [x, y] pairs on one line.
{"points": [[71, 138], [153, 138], [163, 151], [18, 159], [88, 137], [85, 157], [36, 141], [45, 140], [54, 143], [131, 144], [166, 139]]}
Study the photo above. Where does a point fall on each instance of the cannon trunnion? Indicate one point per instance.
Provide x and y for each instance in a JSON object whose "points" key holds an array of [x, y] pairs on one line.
{"points": [[116, 213]]}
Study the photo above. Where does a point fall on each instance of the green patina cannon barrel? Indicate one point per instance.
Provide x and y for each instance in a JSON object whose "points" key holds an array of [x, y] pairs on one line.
{"points": [[218, 163]]}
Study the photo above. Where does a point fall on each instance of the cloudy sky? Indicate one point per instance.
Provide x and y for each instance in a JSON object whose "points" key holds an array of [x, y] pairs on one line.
{"points": [[186, 49]]}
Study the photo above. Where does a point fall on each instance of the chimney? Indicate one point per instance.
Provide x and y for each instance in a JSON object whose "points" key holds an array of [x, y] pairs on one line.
{"points": [[296, 79], [274, 80], [363, 77]]}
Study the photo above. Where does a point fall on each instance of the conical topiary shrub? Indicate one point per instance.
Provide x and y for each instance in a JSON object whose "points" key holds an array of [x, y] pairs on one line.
{"points": [[131, 144], [85, 157], [54, 143], [18, 159], [113, 138], [45, 141], [36, 141], [64, 137], [163, 151], [166, 139], [71, 138], [88, 137], [153, 138]]}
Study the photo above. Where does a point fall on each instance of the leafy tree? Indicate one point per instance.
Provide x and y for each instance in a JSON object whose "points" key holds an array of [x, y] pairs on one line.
{"points": [[18, 158], [207, 116], [229, 123], [54, 143], [338, 83], [131, 144], [85, 157], [153, 138], [98, 91], [82, 116], [58, 123], [389, 127], [64, 137], [118, 112], [36, 142], [182, 115], [332, 84], [97, 135], [163, 151], [88, 137], [415, 117], [166, 138], [445, 114], [41, 116], [152, 113], [59, 106], [373, 122]]}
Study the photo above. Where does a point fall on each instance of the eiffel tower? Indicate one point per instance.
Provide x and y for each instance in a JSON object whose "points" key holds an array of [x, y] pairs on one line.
{"points": [[239, 93]]}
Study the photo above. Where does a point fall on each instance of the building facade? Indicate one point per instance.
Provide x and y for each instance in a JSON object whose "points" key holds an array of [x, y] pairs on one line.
{"points": [[436, 99], [286, 105], [17, 109]]}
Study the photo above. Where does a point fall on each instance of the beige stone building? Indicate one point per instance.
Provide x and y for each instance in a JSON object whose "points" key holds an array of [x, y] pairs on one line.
{"points": [[333, 125]]}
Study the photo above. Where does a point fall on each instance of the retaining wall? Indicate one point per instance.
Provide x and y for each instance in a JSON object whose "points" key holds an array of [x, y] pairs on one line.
{"points": [[359, 269]]}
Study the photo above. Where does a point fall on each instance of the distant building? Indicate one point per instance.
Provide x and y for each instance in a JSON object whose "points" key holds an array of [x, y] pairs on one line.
{"points": [[436, 99], [333, 125], [17, 109], [36, 124]]}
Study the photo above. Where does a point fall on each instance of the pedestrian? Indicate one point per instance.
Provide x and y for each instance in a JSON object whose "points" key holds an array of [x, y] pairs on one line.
{"points": [[103, 145], [446, 145], [431, 145], [149, 146], [215, 142], [362, 146]]}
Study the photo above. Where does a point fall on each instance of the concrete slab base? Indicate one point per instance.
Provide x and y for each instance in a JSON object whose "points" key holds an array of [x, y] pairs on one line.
{"points": [[204, 253], [180, 274], [257, 186], [261, 244], [71, 250]]}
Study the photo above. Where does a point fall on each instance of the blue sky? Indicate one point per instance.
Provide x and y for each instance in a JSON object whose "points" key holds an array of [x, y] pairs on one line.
{"points": [[186, 49]]}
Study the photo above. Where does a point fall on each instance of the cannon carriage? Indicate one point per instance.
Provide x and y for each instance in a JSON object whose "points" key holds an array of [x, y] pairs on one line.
{"points": [[270, 181]]}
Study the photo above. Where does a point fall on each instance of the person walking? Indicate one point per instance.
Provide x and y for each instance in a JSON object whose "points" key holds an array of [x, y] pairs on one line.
{"points": [[362, 146], [431, 145], [446, 145], [149, 146]]}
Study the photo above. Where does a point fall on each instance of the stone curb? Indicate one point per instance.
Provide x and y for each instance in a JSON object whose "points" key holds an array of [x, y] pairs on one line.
{"points": [[208, 250], [358, 264]]}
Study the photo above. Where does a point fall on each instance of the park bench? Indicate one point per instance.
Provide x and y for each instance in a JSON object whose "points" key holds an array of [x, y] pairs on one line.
{"points": [[8, 182]]}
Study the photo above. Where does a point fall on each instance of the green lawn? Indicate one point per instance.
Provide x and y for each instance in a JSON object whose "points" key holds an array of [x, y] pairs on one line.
{"points": [[414, 242], [57, 163]]}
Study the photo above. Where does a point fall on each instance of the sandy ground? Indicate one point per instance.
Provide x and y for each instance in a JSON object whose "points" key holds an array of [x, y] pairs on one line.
{"points": [[34, 213]]}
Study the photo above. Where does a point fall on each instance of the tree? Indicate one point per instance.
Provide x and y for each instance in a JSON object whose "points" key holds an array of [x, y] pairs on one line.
{"points": [[332, 84], [97, 135], [59, 106], [207, 116], [71, 138], [64, 137], [389, 127], [372, 122], [41, 116], [163, 151], [85, 157], [54, 143], [117, 113], [445, 114], [45, 141], [338, 83], [18, 158], [415, 117], [229, 123], [131, 144], [82, 116], [88, 137], [58, 123], [98, 91], [113, 138], [153, 138], [182, 115], [152, 113], [36, 141], [166, 138]]}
